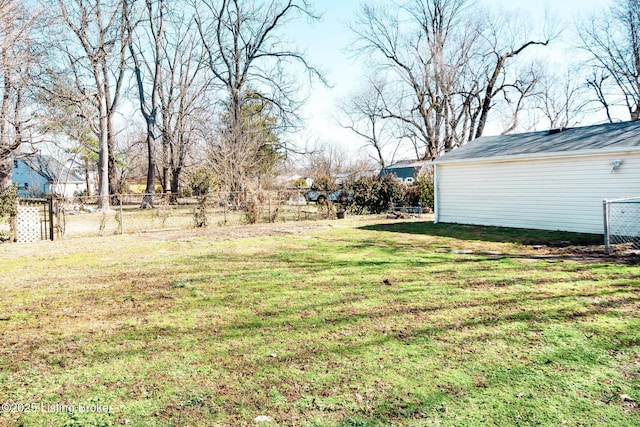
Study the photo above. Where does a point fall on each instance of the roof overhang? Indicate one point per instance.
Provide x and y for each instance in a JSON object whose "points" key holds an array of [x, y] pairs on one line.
{"points": [[540, 156]]}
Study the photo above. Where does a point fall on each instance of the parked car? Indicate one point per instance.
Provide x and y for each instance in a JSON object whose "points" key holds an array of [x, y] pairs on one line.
{"points": [[320, 197]]}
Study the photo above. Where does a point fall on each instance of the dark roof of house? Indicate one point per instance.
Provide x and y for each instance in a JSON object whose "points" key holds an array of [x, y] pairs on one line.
{"points": [[51, 169], [614, 136], [401, 164]]}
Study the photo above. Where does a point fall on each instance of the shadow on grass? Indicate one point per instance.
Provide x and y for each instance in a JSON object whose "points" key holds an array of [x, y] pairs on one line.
{"points": [[254, 337], [490, 234], [323, 325]]}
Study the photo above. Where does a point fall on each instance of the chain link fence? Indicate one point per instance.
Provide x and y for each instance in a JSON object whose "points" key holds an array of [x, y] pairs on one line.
{"points": [[622, 224], [81, 216]]}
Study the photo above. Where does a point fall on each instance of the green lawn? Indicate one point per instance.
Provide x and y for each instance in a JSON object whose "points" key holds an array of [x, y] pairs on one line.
{"points": [[355, 322]]}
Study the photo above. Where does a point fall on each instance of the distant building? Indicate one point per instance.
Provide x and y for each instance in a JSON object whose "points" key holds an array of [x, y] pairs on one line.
{"points": [[41, 175], [405, 170]]}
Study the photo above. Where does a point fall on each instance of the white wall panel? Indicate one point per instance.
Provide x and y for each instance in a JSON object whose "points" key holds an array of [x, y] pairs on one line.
{"points": [[551, 194]]}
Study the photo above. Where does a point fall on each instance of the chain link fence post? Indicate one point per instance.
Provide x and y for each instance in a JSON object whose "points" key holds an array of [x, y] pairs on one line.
{"points": [[607, 243], [622, 223], [121, 218]]}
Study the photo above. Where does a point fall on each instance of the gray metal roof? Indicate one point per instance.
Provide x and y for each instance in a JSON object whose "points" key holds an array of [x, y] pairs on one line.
{"points": [[400, 164], [615, 136], [51, 169]]}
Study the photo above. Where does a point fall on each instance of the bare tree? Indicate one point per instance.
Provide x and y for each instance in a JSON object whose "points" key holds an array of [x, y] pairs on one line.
{"points": [[74, 122], [613, 42], [182, 94], [363, 113], [248, 56], [17, 59], [516, 93], [92, 41], [560, 100], [421, 67], [598, 83], [254, 156], [167, 64], [324, 163], [495, 80], [448, 68], [146, 39]]}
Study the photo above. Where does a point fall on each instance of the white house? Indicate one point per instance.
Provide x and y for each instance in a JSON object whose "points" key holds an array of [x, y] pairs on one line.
{"points": [[552, 180]]}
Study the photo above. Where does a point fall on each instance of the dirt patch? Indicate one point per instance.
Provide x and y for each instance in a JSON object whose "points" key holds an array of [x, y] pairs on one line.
{"points": [[594, 254]]}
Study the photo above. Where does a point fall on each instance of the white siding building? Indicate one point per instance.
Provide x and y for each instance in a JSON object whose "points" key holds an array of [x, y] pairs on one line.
{"points": [[552, 180]]}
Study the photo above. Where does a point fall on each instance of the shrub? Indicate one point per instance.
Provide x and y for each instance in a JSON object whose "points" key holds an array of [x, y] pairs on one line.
{"points": [[375, 194], [412, 195], [324, 183], [252, 210], [9, 202], [200, 213], [425, 184], [200, 181], [5, 235], [300, 183], [8, 210]]}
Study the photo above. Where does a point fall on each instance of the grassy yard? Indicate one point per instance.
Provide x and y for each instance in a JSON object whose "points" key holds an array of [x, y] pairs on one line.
{"points": [[357, 322]]}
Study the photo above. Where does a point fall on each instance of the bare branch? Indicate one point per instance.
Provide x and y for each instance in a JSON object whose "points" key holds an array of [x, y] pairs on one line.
{"points": [[247, 55]]}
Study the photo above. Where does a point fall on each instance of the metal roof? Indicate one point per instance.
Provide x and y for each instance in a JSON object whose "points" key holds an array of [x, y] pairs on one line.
{"points": [[51, 169], [400, 164], [614, 136]]}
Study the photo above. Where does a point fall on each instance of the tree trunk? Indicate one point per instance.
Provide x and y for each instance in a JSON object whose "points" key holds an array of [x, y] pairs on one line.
{"points": [[147, 200], [175, 185], [166, 163], [6, 172], [103, 158], [103, 177], [114, 187]]}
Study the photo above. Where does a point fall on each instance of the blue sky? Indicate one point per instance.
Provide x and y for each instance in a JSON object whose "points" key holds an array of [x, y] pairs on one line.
{"points": [[326, 43]]}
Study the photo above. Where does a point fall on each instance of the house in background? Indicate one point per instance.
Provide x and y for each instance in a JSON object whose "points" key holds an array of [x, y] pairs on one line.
{"points": [[552, 180], [41, 174], [405, 170]]}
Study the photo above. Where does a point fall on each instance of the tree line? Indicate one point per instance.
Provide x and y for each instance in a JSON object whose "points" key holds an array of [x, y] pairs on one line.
{"points": [[218, 84], [442, 70]]}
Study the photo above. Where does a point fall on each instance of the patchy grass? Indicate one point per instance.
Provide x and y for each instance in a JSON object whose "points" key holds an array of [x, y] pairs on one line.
{"points": [[346, 323]]}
